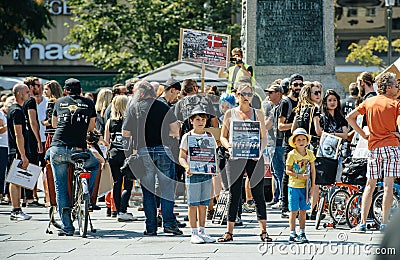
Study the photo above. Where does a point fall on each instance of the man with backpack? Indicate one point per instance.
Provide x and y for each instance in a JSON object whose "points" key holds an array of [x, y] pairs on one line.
{"points": [[285, 120]]}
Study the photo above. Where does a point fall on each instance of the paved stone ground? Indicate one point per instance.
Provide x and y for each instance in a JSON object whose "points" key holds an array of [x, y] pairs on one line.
{"points": [[123, 240]]}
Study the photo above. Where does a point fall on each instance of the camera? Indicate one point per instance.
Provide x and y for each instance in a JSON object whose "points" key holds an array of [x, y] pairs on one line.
{"points": [[235, 60]]}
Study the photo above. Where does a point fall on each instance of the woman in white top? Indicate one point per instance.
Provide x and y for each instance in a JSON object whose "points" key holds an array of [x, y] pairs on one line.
{"points": [[237, 167]]}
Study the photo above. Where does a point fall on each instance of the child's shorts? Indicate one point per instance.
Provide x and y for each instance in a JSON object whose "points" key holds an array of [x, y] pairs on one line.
{"points": [[199, 189], [297, 199]]}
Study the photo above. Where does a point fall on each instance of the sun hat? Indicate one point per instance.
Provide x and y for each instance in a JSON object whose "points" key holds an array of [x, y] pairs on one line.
{"points": [[299, 131]]}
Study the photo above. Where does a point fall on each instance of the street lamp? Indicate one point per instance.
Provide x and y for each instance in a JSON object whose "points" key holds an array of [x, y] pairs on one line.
{"points": [[389, 4]]}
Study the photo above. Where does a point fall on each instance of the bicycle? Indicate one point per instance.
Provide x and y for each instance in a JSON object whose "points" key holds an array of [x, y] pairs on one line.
{"points": [[80, 197], [377, 202]]}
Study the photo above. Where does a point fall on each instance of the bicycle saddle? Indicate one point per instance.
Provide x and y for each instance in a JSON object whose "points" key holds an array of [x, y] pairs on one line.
{"points": [[80, 156]]}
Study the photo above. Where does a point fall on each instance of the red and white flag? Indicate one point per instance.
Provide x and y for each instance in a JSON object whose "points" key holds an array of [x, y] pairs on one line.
{"points": [[214, 41]]}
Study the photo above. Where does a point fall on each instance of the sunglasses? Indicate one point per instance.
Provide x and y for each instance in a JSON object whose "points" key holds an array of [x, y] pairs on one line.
{"points": [[317, 92], [246, 94], [298, 84]]}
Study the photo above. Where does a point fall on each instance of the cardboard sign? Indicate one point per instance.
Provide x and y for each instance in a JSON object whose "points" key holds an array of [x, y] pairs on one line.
{"points": [[202, 154], [24, 178], [246, 140], [204, 47]]}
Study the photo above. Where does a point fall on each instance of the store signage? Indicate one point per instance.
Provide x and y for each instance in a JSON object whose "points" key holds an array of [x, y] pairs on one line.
{"points": [[58, 7], [52, 51]]}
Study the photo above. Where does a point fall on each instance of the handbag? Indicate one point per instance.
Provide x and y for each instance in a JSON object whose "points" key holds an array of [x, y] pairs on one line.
{"points": [[133, 167]]}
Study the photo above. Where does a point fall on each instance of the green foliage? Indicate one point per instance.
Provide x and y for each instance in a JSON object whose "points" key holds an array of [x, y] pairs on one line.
{"points": [[366, 54], [21, 19], [134, 36]]}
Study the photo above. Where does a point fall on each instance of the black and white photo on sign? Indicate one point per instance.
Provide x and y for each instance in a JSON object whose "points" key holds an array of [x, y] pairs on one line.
{"points": [[204, 47], [329, 146], [202, 155], [246, 139]]}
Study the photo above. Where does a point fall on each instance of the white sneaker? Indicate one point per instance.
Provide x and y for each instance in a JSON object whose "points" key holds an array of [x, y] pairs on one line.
{"points": [[196, 239], [125, 217], [207, 238], [19, 215], [277, 205]]}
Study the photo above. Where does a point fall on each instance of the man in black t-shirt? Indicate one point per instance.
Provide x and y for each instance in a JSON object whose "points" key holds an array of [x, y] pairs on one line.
{"points": [[285, 119], [149, 122], [73, 117], [349, 103], [17, 145]]}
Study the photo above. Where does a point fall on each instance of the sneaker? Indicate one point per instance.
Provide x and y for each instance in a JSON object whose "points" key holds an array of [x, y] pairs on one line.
{"points": [[277, 205], [173, 230], [150, 234], [247, 208], [35, 204], [94, 207], [285, 214], [108, 212], [62, 233], [359, 229], [19, 215], [196, 239], [114, 214], [125, 217], [180, 224], [294, 239], [273, 202], [207, 238], [303, 239]]}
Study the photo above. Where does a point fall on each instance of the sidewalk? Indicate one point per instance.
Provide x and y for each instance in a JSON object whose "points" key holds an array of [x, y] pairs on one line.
{"points": [[124, 240]]}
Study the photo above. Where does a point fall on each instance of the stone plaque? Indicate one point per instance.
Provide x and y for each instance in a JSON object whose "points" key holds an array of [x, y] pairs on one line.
{"points": [[289, 33]]}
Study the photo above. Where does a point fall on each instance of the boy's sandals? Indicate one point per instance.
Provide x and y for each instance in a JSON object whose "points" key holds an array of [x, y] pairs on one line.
{"points": [[226, 237], [265, 237]]}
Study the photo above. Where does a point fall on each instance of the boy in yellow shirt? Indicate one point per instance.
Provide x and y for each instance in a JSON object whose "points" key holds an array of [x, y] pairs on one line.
{"points": [[301, 168]]}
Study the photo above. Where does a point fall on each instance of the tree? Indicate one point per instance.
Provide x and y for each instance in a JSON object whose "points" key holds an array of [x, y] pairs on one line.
{"points": [[367, 54], [22, 21], [134, 36]]}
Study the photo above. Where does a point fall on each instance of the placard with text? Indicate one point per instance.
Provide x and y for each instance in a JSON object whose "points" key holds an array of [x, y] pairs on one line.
{"points": [[246, 140], [202, 155]]}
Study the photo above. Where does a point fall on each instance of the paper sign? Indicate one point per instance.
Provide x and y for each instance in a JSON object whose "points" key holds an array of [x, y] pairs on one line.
{"points": [[202, 154], [24, 178], [246, 139]]}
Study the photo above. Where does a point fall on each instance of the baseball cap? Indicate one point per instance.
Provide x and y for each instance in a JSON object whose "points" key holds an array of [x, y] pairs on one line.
{"points": [[295, 77], [274, 88], [172, 84]]}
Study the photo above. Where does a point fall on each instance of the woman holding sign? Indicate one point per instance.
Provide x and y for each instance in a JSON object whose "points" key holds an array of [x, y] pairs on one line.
{"points": [[246, 125]]}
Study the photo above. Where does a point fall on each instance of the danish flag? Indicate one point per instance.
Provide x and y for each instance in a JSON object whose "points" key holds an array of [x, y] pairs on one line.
{"points": [[214, 41]]}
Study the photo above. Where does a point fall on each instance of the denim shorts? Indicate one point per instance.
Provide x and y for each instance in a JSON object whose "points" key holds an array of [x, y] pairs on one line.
{"points": [[199, 189], [297, 199]]}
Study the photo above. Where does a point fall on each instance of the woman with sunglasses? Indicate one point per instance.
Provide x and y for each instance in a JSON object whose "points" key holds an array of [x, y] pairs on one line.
{"points": [[237, 167], [308, 118]]}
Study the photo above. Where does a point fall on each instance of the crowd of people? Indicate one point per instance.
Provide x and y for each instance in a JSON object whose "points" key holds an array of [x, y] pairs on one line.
{"points": [[47, 124]]}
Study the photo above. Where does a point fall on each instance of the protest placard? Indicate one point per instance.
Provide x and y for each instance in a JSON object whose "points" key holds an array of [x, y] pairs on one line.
{"points": [[246, 139]]}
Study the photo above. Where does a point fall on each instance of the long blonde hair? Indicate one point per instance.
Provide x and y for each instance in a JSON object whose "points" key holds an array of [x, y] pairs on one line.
{"points": [[118, 107], [103, 100], [305, 95]]}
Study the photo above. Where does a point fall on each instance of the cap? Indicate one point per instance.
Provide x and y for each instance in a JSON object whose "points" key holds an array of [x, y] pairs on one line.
{"points": [[274, 88], [299, 131], [72, 84], [197, 111], [295, 77], [172, 84]]}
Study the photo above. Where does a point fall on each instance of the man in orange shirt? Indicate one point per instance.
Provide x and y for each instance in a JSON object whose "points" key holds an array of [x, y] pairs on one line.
{"points": [[382, 113]]}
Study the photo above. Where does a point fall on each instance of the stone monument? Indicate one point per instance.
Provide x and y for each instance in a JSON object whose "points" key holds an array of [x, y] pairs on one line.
{"points": [[282, 37]]}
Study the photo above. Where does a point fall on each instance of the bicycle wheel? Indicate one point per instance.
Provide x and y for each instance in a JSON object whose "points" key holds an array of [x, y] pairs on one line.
{"points": [[337, 206], [353, 210], [321, 205], [52, 215], [376, 208], [82, 210]]}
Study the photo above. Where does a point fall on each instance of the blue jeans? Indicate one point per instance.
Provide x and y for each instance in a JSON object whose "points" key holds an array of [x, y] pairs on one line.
{"points": [[158, 162], [278, 170], [60, 158]]}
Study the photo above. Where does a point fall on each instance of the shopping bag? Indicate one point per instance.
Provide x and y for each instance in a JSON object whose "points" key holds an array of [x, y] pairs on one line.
{"points": [[24, 178]]}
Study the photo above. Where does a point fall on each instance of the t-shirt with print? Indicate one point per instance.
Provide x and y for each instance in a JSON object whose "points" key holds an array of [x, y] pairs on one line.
{"points": [[332, 124], [153, 126], [283, 112], [300, 165], [30, 104], [3, 136], [16, 116], [73, 117], [380, 113]]}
